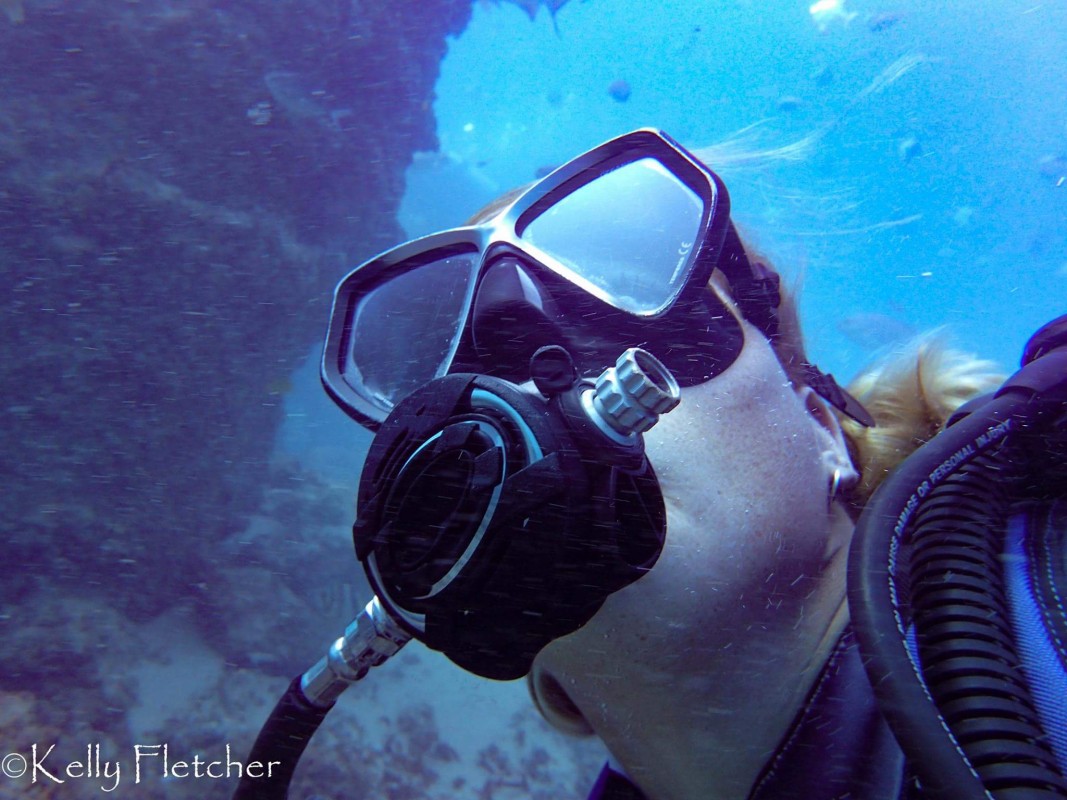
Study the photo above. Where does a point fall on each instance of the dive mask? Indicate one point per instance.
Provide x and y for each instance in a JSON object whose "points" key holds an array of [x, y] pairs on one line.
{"points": [[612, 250]]}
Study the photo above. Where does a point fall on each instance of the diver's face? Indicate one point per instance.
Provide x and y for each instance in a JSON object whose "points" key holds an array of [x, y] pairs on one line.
{"points": [[692, 674]]}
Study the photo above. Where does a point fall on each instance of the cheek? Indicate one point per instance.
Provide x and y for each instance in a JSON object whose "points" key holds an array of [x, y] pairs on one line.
{"points": [[747, 534], [738, 462]]}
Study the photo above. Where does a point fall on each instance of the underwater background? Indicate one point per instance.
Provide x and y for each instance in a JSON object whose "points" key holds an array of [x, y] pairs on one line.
{"points": [[183, 182]]}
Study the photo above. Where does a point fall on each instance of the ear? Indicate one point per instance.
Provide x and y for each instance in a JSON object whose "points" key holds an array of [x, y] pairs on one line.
{"points": [[835, 453]]}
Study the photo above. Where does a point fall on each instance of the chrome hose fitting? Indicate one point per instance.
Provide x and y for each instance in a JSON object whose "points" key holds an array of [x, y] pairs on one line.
{"points": [[629, 397], [370, 640]]}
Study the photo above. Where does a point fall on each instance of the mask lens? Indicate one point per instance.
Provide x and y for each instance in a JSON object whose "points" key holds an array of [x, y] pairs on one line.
{"points": [[627, 236], [404, 332]]}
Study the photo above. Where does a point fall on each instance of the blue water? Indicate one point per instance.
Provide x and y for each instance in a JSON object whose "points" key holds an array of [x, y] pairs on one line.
{"points": [[986, 103]]}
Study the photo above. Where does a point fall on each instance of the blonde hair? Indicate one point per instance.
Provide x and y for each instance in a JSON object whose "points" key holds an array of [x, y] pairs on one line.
{"points": [[911, 394]]}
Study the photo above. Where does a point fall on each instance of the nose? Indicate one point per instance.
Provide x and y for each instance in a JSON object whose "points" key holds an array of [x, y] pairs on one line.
{"points": [[513, 317]]}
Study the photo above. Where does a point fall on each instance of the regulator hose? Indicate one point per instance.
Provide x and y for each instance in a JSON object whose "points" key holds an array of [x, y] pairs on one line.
{"points": [[280, 743], [927, 598]]}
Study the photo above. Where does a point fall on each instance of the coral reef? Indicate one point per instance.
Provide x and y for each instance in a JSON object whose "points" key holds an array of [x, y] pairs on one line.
{"points": [[165, 261]]}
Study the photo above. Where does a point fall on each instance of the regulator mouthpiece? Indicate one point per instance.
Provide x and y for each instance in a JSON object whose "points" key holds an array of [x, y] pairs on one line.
{"points": [[629, 397]]}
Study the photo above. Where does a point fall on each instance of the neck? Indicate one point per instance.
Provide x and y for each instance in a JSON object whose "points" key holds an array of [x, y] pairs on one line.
{"points": [[838, 746], [700, 739]]}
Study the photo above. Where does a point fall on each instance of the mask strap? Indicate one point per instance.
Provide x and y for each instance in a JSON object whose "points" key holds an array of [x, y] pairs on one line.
{"points": [[756, 289]]}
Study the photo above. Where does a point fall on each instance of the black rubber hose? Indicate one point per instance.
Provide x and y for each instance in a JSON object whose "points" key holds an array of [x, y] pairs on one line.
{"points": [[280, 744], [975, 666], [876, 569]]}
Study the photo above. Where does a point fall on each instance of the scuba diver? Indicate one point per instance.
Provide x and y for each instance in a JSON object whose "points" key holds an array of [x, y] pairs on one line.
{"points": [[603, 462]]}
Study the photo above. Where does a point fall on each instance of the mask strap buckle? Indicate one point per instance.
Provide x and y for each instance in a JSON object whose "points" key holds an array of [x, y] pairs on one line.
{"points": [[759, 298], [824, 385], [756, 288]]}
